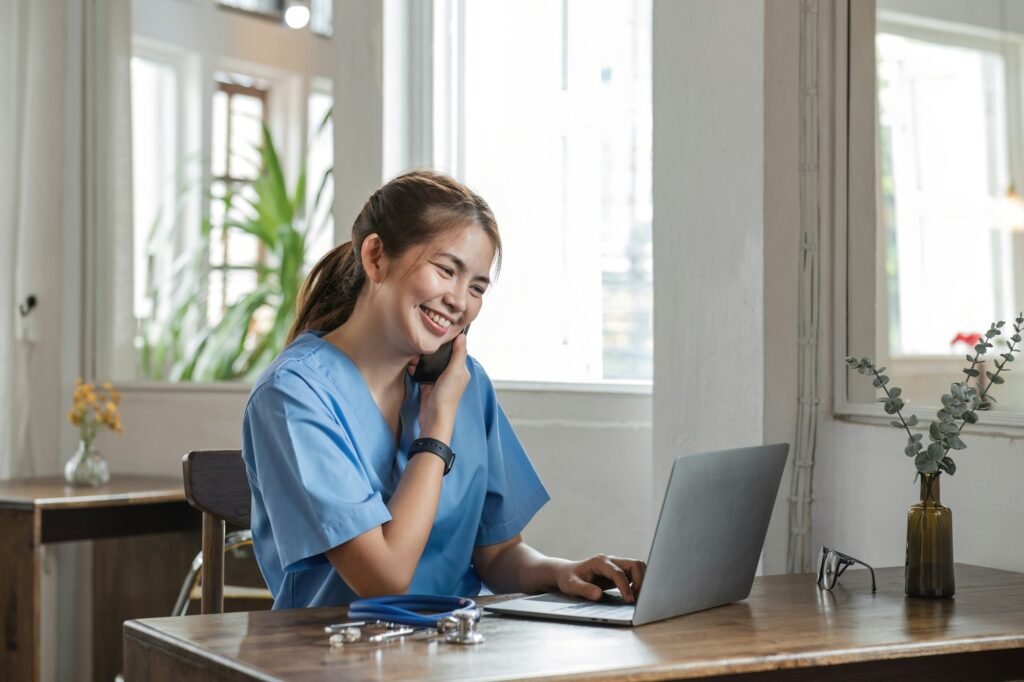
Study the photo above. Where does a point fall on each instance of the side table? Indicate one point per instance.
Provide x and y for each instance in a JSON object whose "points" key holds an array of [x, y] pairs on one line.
{"points": [[146, 535]]}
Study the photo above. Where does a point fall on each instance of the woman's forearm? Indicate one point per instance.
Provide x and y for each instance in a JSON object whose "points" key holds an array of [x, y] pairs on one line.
{"points": [[384, 559], [521, 568]]}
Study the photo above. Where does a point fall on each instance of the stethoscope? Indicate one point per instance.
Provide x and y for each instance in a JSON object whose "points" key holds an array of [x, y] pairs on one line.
{"points": [[453, 618]]}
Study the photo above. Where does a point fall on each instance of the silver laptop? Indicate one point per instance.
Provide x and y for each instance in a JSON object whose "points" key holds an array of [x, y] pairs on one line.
{"points": [[706, 546]]}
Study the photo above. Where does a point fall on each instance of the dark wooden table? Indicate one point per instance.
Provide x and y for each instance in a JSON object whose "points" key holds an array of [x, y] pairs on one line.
{"points": [[787, 630], [131, 578]]}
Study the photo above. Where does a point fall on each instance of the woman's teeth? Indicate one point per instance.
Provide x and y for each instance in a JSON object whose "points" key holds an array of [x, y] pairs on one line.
{"points": [[441, 321]]}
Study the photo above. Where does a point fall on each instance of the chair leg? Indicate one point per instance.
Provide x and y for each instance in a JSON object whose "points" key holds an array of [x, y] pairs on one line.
{"points": [[213, 565]]}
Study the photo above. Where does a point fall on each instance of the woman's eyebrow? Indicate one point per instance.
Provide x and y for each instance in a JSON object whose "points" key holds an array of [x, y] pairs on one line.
{"points": [[461, 266]]}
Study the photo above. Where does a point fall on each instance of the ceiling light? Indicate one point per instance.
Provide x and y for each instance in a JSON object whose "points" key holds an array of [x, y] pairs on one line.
{"points": [[296, 13]]}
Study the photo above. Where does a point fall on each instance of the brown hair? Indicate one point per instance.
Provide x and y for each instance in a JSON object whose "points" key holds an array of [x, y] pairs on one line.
{"points": [[411, 210]]}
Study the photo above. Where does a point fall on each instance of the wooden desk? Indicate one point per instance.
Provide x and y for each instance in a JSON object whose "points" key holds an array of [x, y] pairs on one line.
{"points": [[131, 579], [787, 629]]}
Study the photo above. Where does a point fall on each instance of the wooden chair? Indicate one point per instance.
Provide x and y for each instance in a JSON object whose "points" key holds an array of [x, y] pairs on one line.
{"points": [[216, 484]]}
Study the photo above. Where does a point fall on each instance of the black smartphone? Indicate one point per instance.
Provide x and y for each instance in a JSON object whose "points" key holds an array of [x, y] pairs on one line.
{"points": [[429, 368]]}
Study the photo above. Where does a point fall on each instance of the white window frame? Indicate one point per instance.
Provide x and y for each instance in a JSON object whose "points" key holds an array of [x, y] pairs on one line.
{"points": [[849, 172]]}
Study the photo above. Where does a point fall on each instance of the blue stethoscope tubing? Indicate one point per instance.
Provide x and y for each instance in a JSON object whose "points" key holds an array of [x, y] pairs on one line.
{"points": [[402, 608]]}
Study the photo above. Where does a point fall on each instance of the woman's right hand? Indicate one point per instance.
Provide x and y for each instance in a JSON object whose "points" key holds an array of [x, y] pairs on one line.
{"points": [[440, 401]]}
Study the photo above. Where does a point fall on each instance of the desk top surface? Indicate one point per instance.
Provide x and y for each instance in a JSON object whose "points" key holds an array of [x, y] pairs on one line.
{"points": [[786, 622], [52, 492]]}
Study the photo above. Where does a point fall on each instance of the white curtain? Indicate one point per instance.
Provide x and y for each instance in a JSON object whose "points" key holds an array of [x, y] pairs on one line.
{"points": [[65, 162], [32, 126]]}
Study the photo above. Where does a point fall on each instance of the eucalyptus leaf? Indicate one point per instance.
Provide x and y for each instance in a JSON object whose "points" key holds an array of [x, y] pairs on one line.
{"points": [[956, 443], [912, 420], [926, 465], [948, 465]]}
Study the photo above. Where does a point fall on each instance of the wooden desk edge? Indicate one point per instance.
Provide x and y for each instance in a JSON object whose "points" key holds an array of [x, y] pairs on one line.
{"points": [[146, 636], [104, 499], [150, 637]]}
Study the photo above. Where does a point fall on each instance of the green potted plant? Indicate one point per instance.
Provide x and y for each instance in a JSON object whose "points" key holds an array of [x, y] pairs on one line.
{"points": [[182, 346], [929, 560]]}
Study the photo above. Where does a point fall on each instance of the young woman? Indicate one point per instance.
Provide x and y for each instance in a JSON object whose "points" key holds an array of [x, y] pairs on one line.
{"points": [[355, 489]]}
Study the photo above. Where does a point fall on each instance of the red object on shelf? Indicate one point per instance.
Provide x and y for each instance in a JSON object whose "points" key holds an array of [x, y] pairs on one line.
{"points": [[970, 338]]}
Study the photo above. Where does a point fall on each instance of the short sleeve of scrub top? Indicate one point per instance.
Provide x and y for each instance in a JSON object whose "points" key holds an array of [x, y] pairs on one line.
{"points": [[323, 462]]}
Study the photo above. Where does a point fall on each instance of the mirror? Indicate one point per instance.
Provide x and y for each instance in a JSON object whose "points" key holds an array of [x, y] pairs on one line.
{"points": [[935, 238]]}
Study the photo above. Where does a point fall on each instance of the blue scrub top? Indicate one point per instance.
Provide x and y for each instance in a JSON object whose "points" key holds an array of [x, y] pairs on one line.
{"points": [[322, 464]]}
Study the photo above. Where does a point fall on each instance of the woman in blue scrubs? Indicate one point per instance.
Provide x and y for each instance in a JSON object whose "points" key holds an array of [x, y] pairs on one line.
{"points": [[356, 492]]}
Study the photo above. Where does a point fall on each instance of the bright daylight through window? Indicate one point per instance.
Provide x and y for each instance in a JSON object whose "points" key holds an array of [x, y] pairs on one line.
{"points": [[951, 215], [544, 108]]}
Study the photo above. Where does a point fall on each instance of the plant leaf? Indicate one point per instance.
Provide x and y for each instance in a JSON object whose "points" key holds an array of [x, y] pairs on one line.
{"points": [[912, 420]]}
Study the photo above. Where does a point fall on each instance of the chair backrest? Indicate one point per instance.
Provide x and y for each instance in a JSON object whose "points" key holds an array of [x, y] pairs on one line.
{"points": [[217, 485]]}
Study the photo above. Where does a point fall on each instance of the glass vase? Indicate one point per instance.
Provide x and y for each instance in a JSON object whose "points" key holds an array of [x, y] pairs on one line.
{"points": [[929, 567], [87, 466]]}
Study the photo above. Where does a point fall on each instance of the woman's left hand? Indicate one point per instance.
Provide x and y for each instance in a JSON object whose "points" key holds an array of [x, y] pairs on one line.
{"points": [[591, 577]]}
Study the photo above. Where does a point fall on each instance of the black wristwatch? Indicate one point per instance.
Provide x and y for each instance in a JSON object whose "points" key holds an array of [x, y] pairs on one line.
{"points": [[437, 447]]}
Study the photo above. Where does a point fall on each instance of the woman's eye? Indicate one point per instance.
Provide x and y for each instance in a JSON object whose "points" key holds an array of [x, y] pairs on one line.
{"points": [[479, 291], [446, 270]]}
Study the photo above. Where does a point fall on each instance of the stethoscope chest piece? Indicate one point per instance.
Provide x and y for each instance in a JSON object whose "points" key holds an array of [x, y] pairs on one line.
{"points": [[462, 628]]}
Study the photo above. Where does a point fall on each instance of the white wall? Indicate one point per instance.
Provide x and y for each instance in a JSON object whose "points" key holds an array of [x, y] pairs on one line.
{"points": [[864, 483], [726, 227], [708, 227]]}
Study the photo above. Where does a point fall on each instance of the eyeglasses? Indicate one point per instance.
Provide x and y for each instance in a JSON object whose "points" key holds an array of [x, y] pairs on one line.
{"points": [[832, 564]]}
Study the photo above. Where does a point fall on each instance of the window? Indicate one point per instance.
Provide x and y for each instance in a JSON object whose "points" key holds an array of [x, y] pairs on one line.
{"points": [[544, 108], [933, 241], [239, 106], [155, 167], [319, 178], [221, 236], [944, 197]]}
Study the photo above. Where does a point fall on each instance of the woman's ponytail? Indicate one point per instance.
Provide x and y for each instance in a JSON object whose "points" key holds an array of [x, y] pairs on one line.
{"points": [[329, 294]]}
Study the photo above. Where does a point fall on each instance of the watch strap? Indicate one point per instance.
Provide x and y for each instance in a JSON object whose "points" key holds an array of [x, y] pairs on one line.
{"points": [[436, 447]]}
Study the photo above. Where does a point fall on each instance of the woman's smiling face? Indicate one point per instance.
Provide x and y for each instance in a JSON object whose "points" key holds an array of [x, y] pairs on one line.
{"points": [[432, 294]]}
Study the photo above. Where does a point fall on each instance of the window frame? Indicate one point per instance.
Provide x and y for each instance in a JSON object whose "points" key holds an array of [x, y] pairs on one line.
{"points": [[849, 174]]}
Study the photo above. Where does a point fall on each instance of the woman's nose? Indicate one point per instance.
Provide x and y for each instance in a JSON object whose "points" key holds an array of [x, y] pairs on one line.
{"points": [[455, 299]]}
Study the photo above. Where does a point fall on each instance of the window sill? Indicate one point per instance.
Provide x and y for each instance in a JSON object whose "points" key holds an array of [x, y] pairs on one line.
{"points": [[240, 388]]}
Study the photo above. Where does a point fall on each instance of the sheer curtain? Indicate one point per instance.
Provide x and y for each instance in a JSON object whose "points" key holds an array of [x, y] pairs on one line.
{"points": [[32, 125]]}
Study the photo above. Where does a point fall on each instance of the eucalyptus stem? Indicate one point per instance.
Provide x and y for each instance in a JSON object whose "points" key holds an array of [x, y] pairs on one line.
{"points": [[890, 396]]}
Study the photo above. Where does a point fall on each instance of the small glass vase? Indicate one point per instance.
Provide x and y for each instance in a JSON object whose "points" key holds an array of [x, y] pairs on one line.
{"points": [[929, 567], [87, 466]]}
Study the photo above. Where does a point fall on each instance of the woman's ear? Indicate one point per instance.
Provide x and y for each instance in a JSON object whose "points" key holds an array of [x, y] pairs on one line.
{"points": [[374, 259]]}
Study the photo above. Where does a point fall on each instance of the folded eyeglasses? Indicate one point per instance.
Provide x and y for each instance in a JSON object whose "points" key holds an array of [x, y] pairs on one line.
{"points": [[832, 564]]}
